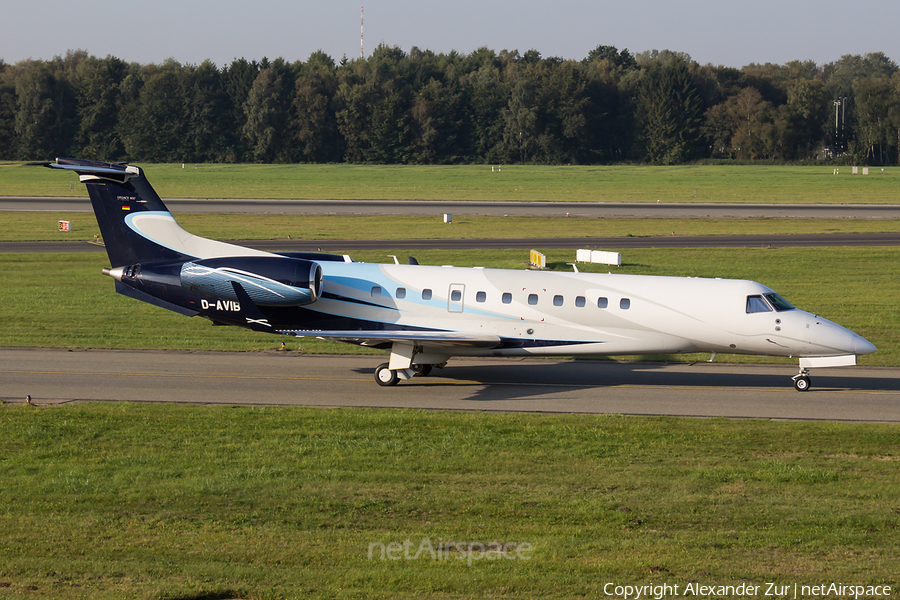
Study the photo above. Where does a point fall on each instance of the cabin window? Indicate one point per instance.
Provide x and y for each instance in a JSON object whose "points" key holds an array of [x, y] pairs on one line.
{"points": [[557, 300], [532, 299], [506, 298], [625, 303], [602, 302], [401, 293], [426, 294], [376, 291], [756, 304], [456, 295], [480, 297], [579, 301]]}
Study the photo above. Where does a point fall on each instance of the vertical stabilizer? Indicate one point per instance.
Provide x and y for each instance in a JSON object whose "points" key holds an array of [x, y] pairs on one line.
{"points": [[119, 193], [135, 224]]}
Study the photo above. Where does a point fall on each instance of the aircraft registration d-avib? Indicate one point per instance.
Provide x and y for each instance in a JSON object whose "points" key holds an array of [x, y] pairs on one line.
{"points": [[424, 315]]}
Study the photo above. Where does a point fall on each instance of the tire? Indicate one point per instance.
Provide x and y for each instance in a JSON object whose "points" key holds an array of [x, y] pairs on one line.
{"points": [[422, 370], [384, 376], [802, 383]]}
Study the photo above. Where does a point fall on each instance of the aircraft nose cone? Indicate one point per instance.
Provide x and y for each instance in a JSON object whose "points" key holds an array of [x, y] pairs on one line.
{"points": [[833, 338], [862, 346]]}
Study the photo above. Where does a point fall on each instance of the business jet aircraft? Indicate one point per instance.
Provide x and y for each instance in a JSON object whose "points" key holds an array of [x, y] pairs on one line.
{"points": [[424, 314]]}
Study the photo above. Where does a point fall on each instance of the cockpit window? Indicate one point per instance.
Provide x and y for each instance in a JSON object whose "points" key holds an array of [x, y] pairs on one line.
{"points": [[756, 304], [779, 303]]}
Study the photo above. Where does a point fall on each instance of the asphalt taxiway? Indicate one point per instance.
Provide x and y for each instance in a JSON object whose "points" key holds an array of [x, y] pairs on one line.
{"points": [[668, 210], [53, 376], [615, 243]]}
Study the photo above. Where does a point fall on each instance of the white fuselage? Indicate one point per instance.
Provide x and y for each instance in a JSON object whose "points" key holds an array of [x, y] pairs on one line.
{"points": [[579, 313]]}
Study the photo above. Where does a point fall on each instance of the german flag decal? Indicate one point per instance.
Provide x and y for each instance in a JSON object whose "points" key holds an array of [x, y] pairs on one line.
{"points": [[126, 207]]}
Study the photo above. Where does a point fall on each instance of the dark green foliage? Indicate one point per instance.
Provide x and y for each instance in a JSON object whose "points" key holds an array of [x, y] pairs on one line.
{"points": [[44, 119], [315, 121], [7, 114], [425, 108], [670, 112], [99, 101], [208, 114], [237, 79], [155, 125], [268, 110]]}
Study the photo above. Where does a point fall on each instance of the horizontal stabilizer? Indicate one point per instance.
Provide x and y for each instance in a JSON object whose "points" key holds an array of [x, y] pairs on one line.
{"points": [[89, 169]]}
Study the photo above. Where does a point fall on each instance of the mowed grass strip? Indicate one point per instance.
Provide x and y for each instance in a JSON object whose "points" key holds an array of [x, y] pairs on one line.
{"points": [[160, 501], [62, 300], [43, 226], [689, 183]]}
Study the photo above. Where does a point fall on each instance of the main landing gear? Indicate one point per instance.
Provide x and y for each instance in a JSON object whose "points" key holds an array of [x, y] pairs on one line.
{"points": [[422, 370], [801, 381], [386, 377]]}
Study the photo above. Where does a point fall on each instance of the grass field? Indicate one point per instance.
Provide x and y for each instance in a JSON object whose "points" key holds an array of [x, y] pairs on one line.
{"points": [[752, 184], [42, 226], [62, 300], [180, 502]]}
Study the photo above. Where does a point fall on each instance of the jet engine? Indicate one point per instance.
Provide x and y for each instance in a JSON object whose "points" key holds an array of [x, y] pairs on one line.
{"points": [[268, 281]]}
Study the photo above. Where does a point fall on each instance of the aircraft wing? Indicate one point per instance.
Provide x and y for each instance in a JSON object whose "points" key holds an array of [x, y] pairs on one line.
{"points": [[447, 339]]}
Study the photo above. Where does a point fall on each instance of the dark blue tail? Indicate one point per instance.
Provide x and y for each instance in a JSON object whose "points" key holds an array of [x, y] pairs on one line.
{"points": [[118, 191]]}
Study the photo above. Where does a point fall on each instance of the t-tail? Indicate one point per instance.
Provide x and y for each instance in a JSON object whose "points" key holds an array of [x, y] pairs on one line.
{"points": [[123, 200], [154, 260], [135, 224]]}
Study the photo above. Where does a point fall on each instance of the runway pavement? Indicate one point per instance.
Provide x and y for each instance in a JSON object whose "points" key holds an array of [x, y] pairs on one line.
{"points": [[538, 209], [53, 376], [610, 243], [673, 210]]}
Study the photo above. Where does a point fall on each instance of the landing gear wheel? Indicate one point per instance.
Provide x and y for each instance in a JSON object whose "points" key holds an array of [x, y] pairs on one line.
{"points": [[384, 376], [421, 370], [801, 383]]}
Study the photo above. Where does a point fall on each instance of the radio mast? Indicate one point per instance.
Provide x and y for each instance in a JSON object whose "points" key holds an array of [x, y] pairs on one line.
{"points": [[361, 31]]}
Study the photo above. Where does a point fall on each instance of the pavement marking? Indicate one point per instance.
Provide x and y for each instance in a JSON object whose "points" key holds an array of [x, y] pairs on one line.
{"points": [[186, 375]]}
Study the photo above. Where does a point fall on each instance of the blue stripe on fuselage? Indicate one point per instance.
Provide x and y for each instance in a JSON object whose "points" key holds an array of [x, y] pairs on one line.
{"points": [[372, 275]]}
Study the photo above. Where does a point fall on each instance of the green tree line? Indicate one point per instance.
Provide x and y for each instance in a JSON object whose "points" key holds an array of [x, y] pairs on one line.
{"points": [[420, 107]]}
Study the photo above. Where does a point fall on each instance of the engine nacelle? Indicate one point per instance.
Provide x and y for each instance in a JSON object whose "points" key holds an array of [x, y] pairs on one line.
{"points": [[269, 281]]}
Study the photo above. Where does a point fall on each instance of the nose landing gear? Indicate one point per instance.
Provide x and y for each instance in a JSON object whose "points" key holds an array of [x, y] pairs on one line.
{"points": [[801, 381]]}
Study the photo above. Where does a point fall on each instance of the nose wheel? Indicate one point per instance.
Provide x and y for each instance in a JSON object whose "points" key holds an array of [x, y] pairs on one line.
{"points": [[801, 381]]}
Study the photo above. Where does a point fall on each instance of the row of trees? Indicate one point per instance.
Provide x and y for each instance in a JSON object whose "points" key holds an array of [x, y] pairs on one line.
{"points": [[426, 108]]}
